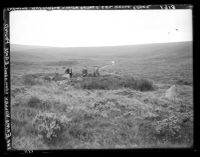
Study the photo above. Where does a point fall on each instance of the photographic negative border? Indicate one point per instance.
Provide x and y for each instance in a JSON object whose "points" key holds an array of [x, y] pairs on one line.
{"points": [[6, 49]]}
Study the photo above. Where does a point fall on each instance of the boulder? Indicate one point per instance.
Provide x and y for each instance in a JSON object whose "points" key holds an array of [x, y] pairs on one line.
{"points": [[171, 93], [66, 76]]}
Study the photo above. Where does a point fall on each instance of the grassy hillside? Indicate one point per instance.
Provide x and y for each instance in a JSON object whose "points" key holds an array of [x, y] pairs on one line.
{"points": [[134, 51], [127, 110], [167, 62]]}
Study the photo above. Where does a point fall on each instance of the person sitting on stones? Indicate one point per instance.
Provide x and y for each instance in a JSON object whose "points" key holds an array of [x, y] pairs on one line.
{"points": [[84, 72], [96, 71], [67, 71], [70, 72]]}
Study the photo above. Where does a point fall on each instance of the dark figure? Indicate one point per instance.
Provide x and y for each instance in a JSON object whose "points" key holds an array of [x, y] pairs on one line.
{"points": [[70, 73], [96, 72], [84, 72], [67, 71]]}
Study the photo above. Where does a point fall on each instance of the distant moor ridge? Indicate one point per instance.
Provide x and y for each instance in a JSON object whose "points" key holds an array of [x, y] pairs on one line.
{"points": [[147, 51]]}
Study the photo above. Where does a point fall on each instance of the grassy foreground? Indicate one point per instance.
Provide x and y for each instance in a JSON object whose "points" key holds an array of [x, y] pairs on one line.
{"points": [[105, 112]]}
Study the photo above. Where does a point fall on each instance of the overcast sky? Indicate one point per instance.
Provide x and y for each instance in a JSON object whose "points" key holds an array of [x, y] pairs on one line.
{"points": [[83, 28]]}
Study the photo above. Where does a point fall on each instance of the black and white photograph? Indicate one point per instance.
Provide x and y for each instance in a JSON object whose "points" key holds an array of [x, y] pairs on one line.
{"points": [[101, 78]]}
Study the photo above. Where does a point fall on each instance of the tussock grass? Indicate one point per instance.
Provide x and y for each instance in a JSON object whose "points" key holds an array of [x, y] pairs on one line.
{"points": [[183, 82], [111, 82], [137, 84], [30, 80], [36, 103], [99, 83]]}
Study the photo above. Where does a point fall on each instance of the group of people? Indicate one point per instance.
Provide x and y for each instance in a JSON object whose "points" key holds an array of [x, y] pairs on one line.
{"points": [[96, 73]]}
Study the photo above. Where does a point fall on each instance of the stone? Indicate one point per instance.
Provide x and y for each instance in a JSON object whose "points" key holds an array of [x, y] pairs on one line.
{"points": [[171, 93], [66, 75]]}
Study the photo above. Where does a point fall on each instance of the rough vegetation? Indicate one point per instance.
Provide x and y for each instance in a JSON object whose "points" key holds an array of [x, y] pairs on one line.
{"points": [[126, 111], [104, 112], [103, 82]]}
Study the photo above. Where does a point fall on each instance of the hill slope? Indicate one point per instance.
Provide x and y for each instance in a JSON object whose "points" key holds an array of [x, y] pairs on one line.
{"points": [[148, 51]]}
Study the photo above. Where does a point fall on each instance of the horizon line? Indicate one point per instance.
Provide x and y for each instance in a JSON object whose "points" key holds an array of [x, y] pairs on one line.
{"points": [[101, 46]]}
